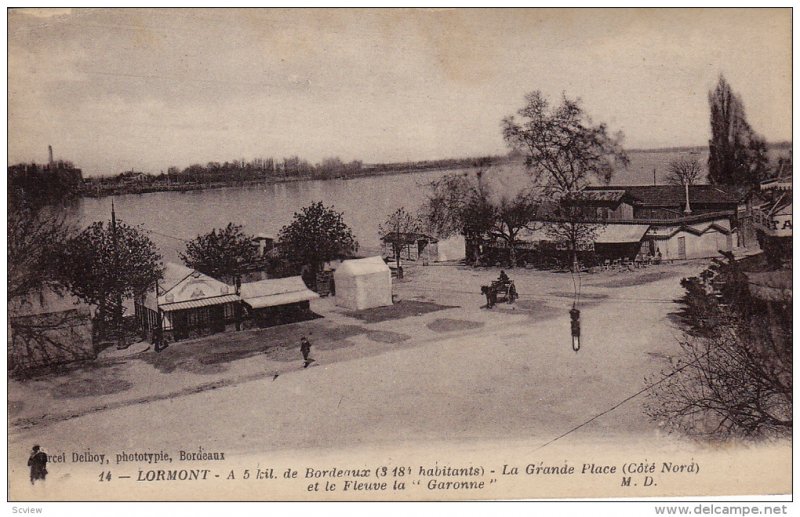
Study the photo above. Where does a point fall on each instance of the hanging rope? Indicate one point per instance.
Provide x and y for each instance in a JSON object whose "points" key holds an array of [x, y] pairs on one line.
{"points": [[575, 313]]}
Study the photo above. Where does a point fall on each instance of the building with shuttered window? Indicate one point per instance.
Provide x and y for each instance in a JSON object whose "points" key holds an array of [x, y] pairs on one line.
{"points": [[187, 303]]}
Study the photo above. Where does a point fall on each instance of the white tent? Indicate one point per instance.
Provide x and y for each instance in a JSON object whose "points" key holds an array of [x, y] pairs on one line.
{"points": [[363, 283]]}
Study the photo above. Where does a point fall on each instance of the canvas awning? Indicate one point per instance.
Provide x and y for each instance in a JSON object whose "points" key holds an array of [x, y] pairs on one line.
{"points": [[620, 233], [200, 302], [276, 291]]}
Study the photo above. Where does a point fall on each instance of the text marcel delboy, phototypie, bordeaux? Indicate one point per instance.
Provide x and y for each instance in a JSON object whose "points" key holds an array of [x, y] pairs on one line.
{"points": [[217, 465]]}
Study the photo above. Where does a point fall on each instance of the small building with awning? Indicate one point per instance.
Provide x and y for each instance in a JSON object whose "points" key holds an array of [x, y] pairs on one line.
{"points": [[186, 303], [277, 300], [633, 222], [700, 237], [410, 246], [619, 240]]}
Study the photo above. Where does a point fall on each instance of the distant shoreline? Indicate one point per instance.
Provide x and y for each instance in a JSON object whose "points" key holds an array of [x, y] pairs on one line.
{"points": [[142, 187], [701, 148], [123, 190]]}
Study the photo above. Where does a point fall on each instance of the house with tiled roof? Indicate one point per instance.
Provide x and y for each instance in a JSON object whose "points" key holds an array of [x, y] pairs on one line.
{"points": [[668, 202], [666, 221]]}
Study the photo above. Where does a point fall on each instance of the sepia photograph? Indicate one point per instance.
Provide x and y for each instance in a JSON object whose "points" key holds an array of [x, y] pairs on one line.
{"points": [[406, 254]]}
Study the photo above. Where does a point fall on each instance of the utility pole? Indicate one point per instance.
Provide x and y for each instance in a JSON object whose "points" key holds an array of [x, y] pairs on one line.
{"points": [[688, 209], [158, 332], [654, 176], [117, 317]]}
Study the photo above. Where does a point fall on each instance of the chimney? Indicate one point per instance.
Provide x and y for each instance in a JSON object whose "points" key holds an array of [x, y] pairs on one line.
{"points": [[50, 155], [688, 209]]}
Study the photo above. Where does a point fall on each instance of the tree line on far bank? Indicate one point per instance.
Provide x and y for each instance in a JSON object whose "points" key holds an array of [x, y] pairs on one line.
{"points": [[260, 170]]}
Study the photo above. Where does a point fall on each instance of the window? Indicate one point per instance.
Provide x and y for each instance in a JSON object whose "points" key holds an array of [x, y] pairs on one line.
{"points": [[230, 311]]}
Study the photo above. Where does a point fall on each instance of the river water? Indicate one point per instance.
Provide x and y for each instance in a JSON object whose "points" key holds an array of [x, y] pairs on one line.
{"points": [[173, 217]]}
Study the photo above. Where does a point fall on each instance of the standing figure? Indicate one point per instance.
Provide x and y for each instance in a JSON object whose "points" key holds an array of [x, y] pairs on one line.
{"points": [[512, 292], [305, 349], [491, 295], [38, 464], [158, 340], [575, 324]]}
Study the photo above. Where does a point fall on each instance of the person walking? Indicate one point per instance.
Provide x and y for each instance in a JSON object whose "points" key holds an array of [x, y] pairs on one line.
{"points": [[38, 464], [305, 349]]}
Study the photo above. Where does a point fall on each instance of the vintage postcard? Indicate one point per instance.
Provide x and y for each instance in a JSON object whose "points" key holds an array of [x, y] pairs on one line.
{"points": [[399, 254]]}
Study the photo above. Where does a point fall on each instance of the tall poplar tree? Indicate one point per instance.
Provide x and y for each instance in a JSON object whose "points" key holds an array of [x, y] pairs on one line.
{"points": [[737, 155]]}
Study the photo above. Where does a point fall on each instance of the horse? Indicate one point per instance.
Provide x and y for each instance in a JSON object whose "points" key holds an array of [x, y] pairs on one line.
{"points": [[490, 292]]}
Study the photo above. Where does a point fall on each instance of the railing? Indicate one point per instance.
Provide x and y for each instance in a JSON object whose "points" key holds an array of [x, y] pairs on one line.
{"points": [[694, 218]]}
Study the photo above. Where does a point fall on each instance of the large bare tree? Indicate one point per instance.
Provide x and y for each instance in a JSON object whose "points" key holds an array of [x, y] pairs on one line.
{"points": [[684, 171], [36, 239], [565, 151]]}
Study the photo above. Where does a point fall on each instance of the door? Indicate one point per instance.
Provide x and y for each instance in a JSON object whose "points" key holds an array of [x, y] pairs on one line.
{"points": [[180, 324], [216, 318], [681, 247]]}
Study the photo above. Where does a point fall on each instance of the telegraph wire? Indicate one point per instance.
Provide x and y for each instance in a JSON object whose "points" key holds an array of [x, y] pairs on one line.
{"points": [[167, 235], [646, 388], [150, 230]]}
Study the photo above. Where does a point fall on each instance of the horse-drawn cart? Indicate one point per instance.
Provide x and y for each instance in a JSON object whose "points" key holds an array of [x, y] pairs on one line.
{"points": [[499, 291]]}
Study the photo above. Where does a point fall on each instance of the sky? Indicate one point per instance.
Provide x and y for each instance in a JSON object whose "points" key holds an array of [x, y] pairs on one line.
{"points": [[144, 89]]}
